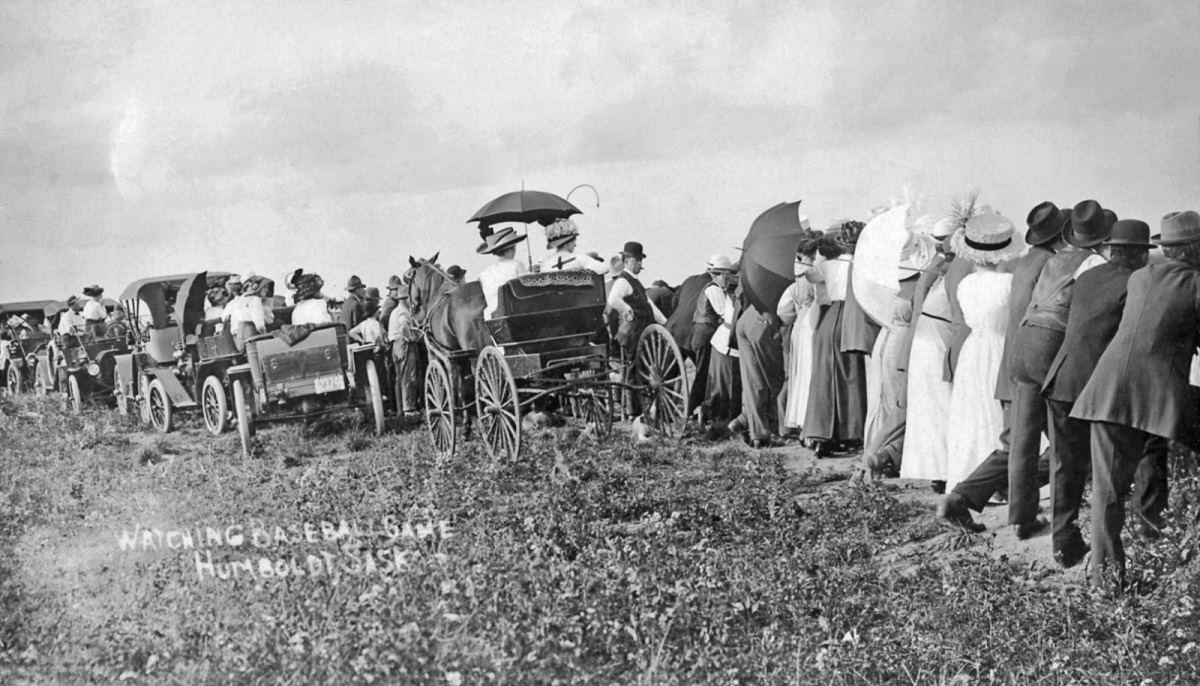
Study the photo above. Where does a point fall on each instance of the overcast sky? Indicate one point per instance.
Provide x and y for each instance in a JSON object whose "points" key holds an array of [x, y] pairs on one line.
{"points": [[150, 138]]}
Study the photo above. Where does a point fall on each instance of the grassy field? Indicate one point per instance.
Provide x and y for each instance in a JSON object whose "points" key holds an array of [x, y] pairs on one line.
{"points": [[334, 557]]}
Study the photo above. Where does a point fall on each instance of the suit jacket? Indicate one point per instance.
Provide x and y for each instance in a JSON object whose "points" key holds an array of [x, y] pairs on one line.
{"points": [[924, 284], [959, 330], [1025, 275], [859, 331], [1141, 379], [1096, 305]]}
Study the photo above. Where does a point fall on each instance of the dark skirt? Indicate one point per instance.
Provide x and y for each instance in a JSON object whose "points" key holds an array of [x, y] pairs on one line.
{"points": [[724, 397], [837, 399]]}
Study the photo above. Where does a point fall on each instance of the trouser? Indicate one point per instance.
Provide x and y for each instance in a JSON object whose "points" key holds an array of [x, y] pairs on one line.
{"points": [[409, 376], [1118, 453], [700, 378], [1033, 352], [992, 474], [761, 368], [1070, 460]]}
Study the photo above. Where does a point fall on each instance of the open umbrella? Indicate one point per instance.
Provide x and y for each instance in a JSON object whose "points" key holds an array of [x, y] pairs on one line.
{"points": [[768, 254], [877, 272], [525, 207]]}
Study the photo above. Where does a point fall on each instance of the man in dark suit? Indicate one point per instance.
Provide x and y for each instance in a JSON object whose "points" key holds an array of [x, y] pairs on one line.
{"points": [[1046, 225], [1096, 304], [355, 304], [1140, 387]]}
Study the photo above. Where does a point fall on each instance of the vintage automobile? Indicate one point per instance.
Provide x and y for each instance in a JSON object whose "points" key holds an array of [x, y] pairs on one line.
{"points": [[24, 335], [84, 361], [301, 372], [178, 361]]}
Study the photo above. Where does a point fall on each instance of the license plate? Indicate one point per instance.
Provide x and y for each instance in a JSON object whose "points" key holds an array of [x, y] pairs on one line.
{"points": [[326, 384]]}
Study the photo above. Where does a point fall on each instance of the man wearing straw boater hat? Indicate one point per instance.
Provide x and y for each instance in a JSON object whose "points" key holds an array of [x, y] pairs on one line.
{"points": [[502, 245], [1139, 390], [1046, 224], [628, 299]]}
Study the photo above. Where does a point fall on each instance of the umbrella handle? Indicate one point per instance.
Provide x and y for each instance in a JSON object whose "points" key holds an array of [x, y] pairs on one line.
{"points": [[585, 185]]}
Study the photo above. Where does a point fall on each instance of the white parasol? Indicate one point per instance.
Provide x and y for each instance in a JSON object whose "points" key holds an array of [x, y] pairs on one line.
{"points": [[876, 275]]}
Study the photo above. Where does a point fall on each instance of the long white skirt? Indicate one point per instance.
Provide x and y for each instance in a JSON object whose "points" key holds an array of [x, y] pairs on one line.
{"points": [[800, 365], [925, 448], [976, 417]]}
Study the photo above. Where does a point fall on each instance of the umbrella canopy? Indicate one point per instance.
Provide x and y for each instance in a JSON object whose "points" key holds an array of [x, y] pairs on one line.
{"points": [[768, 254], [877, 272], [525, 207]]}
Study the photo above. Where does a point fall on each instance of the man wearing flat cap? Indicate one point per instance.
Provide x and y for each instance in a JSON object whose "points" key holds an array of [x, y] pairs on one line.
{"points": [[629, 300], [1139, 391]]}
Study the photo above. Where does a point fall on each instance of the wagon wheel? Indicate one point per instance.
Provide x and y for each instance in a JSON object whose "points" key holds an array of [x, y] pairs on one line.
{"points": [[662, 380], [245, 416], [375, 396], [497, 404], [598, 411], [439, 407], [162, 412], [15, 382], [119, 395], [214, 405], [74, 395]]}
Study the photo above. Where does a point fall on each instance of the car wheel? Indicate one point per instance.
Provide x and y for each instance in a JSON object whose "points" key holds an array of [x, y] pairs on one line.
{"points": [[15, 382], [245, 416], [215, 406], [375, 395], [74, 394], [162, 413]]}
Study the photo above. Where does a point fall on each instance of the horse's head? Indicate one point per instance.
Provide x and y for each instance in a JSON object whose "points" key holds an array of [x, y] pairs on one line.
{"points": [[424, 284]]}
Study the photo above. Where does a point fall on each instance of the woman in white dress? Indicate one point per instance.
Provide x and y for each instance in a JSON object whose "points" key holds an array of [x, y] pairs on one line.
{"points": [[800, 307], [976, 418], [924, 454]]}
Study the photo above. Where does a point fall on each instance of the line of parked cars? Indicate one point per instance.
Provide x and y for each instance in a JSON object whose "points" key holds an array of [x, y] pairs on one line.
{"points": [[168, 359]]}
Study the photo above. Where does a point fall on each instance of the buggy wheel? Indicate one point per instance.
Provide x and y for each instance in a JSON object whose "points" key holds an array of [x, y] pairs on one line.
{"points": [[15, 380], [214, 405], [245, 416], [162, 413], [439, 407], [662, 379], [375, 395], [74, 395], [497, 404], [598, 410], [119, 394]]}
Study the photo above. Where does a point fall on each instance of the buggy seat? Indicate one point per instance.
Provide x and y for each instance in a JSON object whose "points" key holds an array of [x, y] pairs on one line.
{"points": [[557, 309]]}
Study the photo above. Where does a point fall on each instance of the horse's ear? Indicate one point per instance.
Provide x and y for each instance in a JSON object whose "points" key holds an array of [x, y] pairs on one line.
{"points": [[412, 262], [435, 256]]}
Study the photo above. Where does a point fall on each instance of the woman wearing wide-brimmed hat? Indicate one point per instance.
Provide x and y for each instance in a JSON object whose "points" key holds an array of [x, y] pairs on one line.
{"points": [[1139, 389], [94, 311], [712, 332], [501, 244], [561, 237], [311, 306], [976, 417]]}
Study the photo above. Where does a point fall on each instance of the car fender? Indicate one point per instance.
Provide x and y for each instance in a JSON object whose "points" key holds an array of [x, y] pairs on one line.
{"points": [[175, 390]]}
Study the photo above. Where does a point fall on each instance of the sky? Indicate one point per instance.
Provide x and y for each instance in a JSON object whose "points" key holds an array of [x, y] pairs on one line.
{"points": [[145, 138]]}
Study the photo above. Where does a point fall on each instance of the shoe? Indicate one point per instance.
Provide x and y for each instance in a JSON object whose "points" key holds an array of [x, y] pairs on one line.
{"points": [[770, 442], [1071, 554], [822, 449], [938, 487], [1031, 529], [953, 511]]}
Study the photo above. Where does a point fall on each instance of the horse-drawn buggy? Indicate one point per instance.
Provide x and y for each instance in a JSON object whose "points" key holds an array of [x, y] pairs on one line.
{"points": [[301, 372], [24, 335], [545, 348], [179, 361]]}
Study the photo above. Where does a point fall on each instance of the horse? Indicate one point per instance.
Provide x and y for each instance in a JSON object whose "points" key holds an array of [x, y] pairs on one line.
{"points": [[451, 316]]}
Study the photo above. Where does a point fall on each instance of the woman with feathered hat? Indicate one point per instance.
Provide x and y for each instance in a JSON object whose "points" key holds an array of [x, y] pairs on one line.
{"points": [[561, 237], [311, 307]]}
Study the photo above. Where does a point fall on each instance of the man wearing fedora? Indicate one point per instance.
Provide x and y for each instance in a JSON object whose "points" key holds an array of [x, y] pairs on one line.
{"points": [[1095, 312], [1140, 389], [355, 304], [502, 245], [1047, 224], [71, 321], [628, 299], [393, 297]]}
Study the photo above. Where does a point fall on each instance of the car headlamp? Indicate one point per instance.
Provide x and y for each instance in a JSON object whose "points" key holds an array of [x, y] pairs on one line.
{"points": [[93, 369]]}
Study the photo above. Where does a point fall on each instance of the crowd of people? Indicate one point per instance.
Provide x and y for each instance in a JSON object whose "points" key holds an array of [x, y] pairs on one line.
{"points": [[1008, 360]]}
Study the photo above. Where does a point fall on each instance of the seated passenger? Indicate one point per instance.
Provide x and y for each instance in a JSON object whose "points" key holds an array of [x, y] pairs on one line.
{"points": [[561, 237], [116, 327], [71, 321], [93, 309], [311, 307], [502, 244], [217, 298], [246, 315]]}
